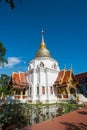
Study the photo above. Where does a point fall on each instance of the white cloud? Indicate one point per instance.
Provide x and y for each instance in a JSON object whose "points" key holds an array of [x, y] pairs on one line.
{"points": [[12, 61]]}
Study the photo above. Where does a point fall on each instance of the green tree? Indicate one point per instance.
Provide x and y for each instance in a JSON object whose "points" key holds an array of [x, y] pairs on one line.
{"points": [[4, 79], [2, 54], [11, 3]]}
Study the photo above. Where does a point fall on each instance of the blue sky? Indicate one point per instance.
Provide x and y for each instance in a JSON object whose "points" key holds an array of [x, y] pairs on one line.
{"points": [[64, 23]]}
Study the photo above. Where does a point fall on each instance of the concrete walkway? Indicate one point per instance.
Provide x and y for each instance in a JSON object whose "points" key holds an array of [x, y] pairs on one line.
{"points": [[76, 120]]}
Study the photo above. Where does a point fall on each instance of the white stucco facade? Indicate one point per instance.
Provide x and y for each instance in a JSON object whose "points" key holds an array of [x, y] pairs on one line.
{"points": [[42, 73]]}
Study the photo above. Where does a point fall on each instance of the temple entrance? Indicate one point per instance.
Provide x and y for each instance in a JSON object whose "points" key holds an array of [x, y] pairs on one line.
{"points": [[72, 91]]}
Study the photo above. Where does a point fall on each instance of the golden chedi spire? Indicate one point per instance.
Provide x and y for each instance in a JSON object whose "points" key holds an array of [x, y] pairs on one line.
{"points": [[42, 45], [43, 51]]}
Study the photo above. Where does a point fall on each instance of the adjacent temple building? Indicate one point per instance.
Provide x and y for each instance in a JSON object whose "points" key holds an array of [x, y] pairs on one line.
{"points": [[44, 81]]}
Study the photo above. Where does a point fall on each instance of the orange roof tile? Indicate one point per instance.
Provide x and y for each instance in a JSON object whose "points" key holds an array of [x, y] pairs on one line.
{"points": [[60, 75], [22, 77], [15, 78], [19, 80], [66, 76]]}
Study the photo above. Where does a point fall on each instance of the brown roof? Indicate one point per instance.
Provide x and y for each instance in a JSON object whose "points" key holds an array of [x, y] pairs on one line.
{"points": [[76, 120], [19, 80], [66, 76], [60, 75], [15, 78], [63, 76], [81, 77]]}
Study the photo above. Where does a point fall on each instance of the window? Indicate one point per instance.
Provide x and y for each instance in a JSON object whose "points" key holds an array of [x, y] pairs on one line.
{"points": [[51, 90], [24, 91], [30, 90], [37, 90], [43, 90], [72, 90], [41, 64], [29, 66], [55, 67]]}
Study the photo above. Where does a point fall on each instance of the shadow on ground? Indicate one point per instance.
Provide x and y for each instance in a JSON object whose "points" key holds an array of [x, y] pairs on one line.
{"points": [[82, 112], [71, 126]]}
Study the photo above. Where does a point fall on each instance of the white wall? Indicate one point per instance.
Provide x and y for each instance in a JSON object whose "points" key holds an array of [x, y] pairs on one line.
{"points": [[42, 76]]}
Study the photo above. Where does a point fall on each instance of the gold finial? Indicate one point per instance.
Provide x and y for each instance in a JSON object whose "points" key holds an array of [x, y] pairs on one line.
{"points": [[42, 36], [42, 46]]}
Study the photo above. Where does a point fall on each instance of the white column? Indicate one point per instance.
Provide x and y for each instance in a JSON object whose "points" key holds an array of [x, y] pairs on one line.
{"points": [[21, 94], [34, 85], [47, 87]]}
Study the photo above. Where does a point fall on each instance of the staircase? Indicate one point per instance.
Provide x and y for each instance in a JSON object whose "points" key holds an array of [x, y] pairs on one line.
{"points": [[82, 98]]}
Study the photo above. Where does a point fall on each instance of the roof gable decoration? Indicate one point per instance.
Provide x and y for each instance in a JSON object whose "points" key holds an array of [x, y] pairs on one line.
{"points": [[60, 77], [22, 77], [63, 75], [66, 77], [15, 78], [19, 80]]}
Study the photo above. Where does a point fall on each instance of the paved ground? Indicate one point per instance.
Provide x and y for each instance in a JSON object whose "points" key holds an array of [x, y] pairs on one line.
{"points": [[76, 120]]}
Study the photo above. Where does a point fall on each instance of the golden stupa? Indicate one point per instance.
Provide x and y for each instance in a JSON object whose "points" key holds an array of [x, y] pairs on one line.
{"points": [[43, 51]]}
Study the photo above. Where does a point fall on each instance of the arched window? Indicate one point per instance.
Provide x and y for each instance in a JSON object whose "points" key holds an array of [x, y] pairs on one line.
{"points": [[41, 64], [43, 90], [55, 66], [29, 66]]}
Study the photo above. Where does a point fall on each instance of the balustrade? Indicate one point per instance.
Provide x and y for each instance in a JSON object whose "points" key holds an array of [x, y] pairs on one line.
{"points": [[62, 96], [20, 96]]}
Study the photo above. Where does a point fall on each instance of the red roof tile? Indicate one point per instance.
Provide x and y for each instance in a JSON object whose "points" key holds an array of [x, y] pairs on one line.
{"points": [[60, 75], [63, 76], [19, 80], [15, 78], [66, 76], [81, 76], [22, 77]]}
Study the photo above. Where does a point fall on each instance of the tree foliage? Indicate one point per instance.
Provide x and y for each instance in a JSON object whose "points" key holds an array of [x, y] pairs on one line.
{"points": [[2, 54], [11, 3], [4, 79]]}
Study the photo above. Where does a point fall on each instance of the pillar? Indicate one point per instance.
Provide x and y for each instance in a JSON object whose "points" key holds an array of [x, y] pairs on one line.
{"points": [[21, 94]]}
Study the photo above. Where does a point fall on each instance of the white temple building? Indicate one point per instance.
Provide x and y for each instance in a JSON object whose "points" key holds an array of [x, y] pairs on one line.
{"points": [[43, 82], [41, 74]]}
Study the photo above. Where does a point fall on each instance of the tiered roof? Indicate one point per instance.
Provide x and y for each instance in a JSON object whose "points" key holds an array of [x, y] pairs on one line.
{"points": [[19, 80], [64, 77]]}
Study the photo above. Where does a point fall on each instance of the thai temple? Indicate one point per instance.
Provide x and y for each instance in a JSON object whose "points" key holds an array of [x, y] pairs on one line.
{"points": [[44, 81]]}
